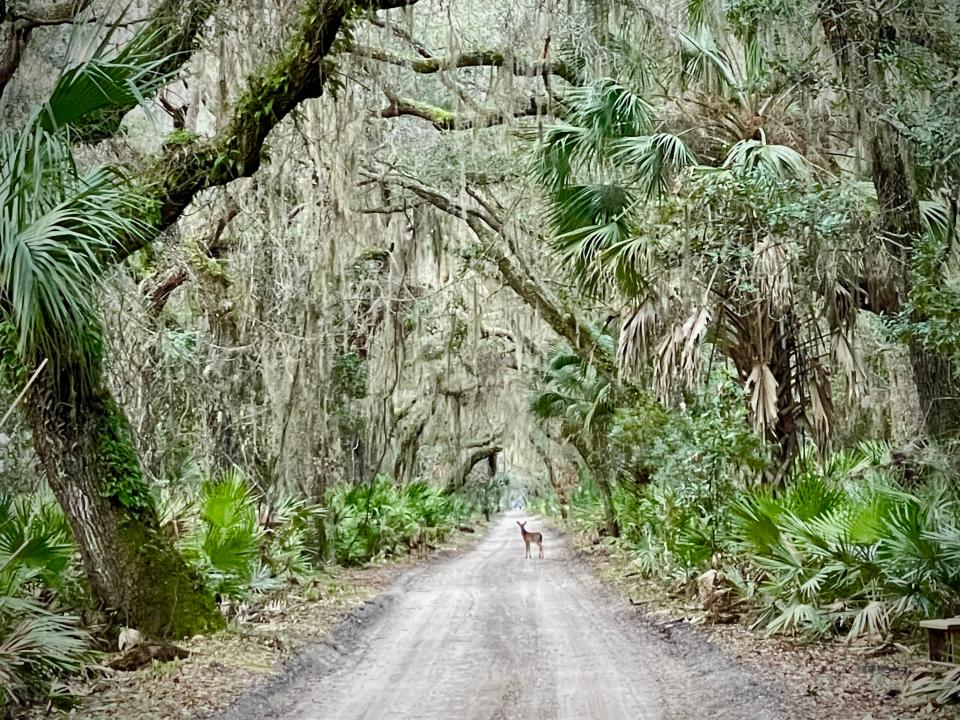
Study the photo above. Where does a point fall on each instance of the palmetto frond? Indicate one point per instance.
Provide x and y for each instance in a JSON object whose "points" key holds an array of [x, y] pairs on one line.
{"points": [[598, 114], [607, 109], [650, 159], [775, 161], [706, 64], [572, 392], [58, 228], [107, 80], [35, 646]]}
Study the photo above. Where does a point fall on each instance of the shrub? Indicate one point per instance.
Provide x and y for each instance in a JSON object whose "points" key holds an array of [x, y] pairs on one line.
{"points": [[381, 519], [241, 543], [37, 645]]}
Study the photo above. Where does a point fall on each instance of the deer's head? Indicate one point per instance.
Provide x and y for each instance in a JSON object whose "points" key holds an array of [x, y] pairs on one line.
{"points": [[522, 524]]}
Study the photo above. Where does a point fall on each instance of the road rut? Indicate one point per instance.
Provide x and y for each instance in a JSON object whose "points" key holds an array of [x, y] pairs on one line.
{"points": [[489, 635]]}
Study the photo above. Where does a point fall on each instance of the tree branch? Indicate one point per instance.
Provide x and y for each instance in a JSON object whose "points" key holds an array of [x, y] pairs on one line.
{"points": [[446, 120], [487, 227], [420, 49], [479, 58], [18, 36], [55, 14], [158, 288], [278, 87], [474, 457], [20, 27]]}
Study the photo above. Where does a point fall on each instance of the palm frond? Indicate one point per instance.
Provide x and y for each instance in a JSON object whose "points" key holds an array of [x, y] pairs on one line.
{"points": [[590, 221], [704, 62], [652, 159], [775, 161], [59, 228]]}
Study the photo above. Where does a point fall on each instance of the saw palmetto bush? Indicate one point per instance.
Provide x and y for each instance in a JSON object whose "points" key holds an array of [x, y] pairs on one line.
{"points": [[225, 544], [244, 543], [854, 554], [380, 518], [843, 546], [40, 640]]}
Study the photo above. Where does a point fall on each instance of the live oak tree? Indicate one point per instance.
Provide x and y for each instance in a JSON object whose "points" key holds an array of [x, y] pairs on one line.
{"points": [[62, 231]]}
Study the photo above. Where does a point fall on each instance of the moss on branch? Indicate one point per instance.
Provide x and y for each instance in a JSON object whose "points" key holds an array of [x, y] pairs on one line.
{"points": [[299, 73], [475, 59], [443, 119]]}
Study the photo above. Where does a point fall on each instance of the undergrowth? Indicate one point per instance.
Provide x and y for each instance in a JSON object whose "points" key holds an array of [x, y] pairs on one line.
{"points": [[245, 545], [381, 519]]}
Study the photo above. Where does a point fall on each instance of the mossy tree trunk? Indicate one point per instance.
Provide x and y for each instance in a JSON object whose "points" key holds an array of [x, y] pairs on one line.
{"points": [[80, 434], [84, 444]]}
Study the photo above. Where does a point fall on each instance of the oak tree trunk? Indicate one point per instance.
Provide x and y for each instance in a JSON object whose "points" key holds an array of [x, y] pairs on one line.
{"points": [[84, 444]]}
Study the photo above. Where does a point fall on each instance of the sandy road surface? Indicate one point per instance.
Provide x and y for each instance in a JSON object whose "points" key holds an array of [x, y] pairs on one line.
{"points": [[489, 635]]}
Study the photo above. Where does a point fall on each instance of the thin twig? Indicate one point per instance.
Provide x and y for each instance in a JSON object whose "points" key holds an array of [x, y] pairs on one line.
{"points": [[23, 392]]}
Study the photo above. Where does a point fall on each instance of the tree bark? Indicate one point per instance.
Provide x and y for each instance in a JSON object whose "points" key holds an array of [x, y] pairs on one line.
{"points": [[84, 444], [473, 458]]}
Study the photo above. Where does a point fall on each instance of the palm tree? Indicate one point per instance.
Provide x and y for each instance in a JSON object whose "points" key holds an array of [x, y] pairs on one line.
{"points": [[705, 255], [60, 229], [572, 394]]}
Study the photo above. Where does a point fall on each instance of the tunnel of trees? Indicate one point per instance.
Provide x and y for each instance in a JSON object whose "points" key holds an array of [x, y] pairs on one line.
{"points": [[291, 284]]}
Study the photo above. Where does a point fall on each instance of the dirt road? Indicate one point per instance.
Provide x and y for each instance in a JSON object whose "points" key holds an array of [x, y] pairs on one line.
{"points": [[489, 635]]}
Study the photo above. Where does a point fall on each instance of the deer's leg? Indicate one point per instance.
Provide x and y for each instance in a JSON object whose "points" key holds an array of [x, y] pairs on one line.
{"points": [[540, 548], [527, 545]]}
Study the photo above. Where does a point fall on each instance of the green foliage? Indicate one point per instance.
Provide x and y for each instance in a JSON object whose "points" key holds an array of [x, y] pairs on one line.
{"points": [[676, 468], [854, 554], [225, 547], [380, 519], [242, 544], [841, 548], [348, 376], [62, 226], [570, 391], [123, 480], [39, 642], [932, 313]]}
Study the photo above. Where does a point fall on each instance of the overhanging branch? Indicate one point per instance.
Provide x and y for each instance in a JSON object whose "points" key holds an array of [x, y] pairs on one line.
{"points": [[278, 87], [488, 228], [19, 28], [446, 120], [474, 457], [476, 59]]}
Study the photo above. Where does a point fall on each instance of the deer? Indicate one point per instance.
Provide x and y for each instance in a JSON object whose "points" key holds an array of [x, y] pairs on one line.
{"points": [[531, 537]]}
